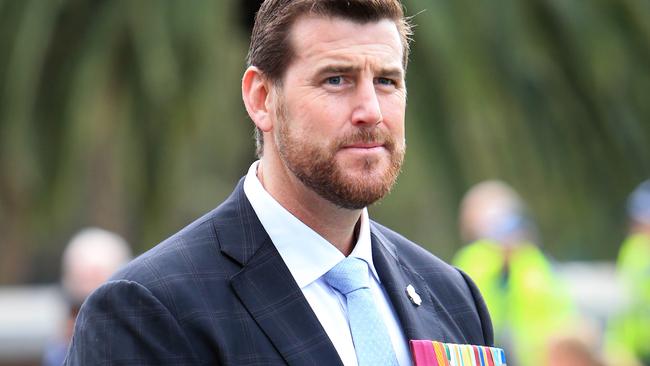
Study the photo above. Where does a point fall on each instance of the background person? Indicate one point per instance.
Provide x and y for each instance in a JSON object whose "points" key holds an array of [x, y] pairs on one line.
{"points": [[578, 344], [89, 259], [629, 333], [527, 302]]}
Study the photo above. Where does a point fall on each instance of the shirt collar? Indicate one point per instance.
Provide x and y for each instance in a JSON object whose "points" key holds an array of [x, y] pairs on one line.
{"points": [[307, 254]]}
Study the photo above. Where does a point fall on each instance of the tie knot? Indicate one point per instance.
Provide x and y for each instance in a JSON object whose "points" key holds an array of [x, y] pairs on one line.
{"points": [[348, 275]]}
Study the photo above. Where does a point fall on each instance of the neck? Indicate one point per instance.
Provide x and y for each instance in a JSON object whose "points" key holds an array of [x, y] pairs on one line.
{"points": [[337, 225]]}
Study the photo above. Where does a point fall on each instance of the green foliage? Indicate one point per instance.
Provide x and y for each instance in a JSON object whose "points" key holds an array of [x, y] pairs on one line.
{"points": [[127, 115], [121, 114], [550, 96]]}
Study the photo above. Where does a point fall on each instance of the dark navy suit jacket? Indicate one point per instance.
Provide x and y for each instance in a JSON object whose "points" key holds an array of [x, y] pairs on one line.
{"points": [[218, 292]]}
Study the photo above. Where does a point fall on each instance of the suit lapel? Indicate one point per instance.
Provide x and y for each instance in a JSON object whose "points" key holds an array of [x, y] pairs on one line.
{"points": [[268, 291], [418, 322]]}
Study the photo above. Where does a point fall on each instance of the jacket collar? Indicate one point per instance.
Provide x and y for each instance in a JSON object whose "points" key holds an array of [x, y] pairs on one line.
{"points": [[267, 289], [418, 321]]}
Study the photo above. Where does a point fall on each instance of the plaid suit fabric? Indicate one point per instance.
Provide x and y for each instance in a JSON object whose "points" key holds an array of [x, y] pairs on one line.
{"points": [[218, 292]]}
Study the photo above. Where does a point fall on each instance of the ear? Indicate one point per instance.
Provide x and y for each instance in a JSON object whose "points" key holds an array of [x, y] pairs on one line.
{"points": [[257, 94]]}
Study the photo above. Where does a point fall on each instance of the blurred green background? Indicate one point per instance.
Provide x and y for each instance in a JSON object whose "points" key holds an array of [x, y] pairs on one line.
{"points": [[127, 114]]}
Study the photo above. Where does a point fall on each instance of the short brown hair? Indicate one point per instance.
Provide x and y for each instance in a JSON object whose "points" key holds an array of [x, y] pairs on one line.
{"points": [[270, 48]]}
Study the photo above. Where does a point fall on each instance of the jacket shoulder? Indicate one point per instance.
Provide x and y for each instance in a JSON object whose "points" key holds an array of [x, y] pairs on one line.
{"points": [[457, 296], [195, 249], [190, 249]]}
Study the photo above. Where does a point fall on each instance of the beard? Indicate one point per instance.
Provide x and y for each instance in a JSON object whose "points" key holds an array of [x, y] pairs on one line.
{"points": [[316, 166]]}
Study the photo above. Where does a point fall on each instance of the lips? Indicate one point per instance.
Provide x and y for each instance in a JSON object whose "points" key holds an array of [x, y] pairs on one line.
{"points": [[366, 140], [363, 145]]}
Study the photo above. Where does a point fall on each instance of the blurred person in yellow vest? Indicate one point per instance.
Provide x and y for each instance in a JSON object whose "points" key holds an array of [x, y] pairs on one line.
{"points": [[89, 259], [526, 301], [629, 333]]}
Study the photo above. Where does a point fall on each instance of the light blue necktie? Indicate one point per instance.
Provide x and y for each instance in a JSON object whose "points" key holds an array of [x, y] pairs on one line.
{"points": [[369, 334]]}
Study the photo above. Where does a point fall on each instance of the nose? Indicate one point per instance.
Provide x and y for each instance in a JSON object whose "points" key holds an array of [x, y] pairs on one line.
{"points": [[366, 108]]}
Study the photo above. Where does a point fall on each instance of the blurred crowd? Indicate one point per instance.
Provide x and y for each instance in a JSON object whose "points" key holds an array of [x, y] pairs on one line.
{"points": [[536, 318]]}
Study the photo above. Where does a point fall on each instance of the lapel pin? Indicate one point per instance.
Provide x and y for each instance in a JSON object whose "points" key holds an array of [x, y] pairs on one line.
{"points": [[413, 296]]}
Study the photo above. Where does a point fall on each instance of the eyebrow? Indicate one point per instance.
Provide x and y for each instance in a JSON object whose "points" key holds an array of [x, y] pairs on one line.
{"points": [[393, 72]]}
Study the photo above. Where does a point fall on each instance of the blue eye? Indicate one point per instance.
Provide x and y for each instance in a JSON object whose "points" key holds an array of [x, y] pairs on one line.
{"points": [[385, 81], [335, 80]]}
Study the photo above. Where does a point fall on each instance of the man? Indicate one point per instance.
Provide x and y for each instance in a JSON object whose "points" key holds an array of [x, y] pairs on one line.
{"points": [[260, 280], [89, 259], [529, 305], [628, 333]]}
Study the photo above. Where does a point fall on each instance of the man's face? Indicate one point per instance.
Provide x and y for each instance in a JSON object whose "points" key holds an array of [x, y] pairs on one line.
{"points": [[340, 111]]}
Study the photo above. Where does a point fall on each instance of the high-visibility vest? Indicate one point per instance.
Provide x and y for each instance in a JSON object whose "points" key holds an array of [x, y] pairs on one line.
{"points": [[528, 307], [630, 331]]}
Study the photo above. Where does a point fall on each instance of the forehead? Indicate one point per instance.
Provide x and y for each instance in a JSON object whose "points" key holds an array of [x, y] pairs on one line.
{"points": [[318, 39]]}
